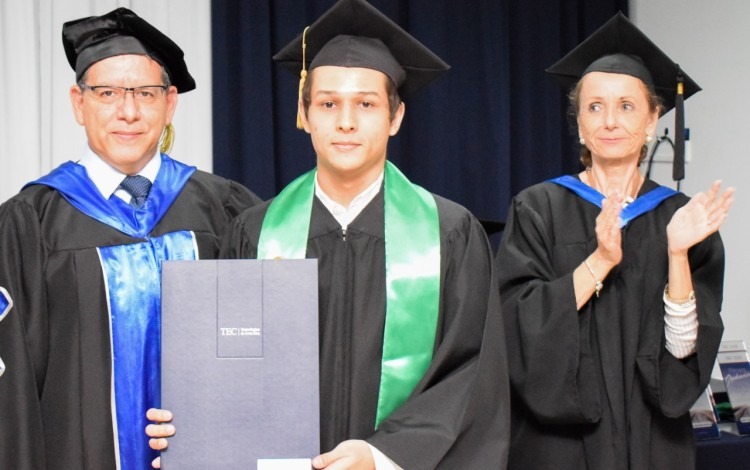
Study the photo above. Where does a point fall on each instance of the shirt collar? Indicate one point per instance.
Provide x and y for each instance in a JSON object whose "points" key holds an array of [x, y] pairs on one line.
{"points": [[344, 215], [107, 179]]}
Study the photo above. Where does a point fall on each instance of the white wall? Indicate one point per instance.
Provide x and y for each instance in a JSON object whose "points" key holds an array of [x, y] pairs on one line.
{"points": [[711, 41], [37, 128]]}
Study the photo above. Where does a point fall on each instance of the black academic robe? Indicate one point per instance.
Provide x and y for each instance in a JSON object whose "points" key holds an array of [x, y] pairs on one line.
{"points": [[55, 410], [597, 388], [457, 417]]}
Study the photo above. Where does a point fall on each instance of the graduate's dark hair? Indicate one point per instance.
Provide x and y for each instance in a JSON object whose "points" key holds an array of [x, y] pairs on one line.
{"points": [[574, 99], [394, 100]]}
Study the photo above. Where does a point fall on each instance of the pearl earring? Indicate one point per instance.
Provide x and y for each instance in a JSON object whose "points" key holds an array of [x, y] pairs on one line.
{"points": [[648, 137], [581, 140]]}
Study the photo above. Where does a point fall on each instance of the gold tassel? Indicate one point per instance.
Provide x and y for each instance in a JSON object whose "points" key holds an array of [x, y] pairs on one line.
{"points": [[167, 139], [302, 77]]}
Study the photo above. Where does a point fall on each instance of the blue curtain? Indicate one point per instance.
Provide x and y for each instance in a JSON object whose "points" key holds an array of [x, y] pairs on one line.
{"points": [[491, 126]]}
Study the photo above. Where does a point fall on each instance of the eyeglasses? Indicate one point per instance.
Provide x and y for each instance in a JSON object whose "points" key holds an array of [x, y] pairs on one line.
{"points": [[114, 94]]}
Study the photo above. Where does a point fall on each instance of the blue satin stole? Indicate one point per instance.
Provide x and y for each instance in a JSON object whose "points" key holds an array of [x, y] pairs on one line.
{"points": [[132, 275], [640, 206]]}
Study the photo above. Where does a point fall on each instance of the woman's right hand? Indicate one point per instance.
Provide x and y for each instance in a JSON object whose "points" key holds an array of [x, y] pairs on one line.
{"points": [[607, 255], [608, 234], [159, 432]]}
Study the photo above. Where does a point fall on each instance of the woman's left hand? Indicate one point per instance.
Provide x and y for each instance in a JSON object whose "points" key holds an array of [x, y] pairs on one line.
{"points": [[700, 217]]}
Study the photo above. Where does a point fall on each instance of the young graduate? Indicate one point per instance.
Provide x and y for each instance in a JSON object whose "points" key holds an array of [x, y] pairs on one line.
{"points": [[81, 251], [412, 360]]}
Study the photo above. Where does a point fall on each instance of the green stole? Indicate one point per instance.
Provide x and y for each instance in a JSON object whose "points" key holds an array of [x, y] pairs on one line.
{"points": [[412, 273]]}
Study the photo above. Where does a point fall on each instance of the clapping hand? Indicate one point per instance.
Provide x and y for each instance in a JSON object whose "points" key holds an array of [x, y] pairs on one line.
{"points": [[700, 217]]}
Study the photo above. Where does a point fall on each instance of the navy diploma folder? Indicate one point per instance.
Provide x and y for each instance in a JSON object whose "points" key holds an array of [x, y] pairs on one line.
{"points": [[240, 362]]}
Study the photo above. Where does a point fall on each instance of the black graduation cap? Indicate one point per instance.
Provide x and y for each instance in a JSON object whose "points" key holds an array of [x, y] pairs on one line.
{"points": [[620, 47], [91, 39], [353, 33]]}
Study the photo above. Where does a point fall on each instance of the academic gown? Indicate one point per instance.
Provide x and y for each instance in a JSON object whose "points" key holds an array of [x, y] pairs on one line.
{"points": [[458, 415], [56, 393], [597, 389]]}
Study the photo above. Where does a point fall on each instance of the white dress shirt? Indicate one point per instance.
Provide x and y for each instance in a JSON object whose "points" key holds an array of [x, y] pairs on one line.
{"points": [[107, 179], [344, 215]]}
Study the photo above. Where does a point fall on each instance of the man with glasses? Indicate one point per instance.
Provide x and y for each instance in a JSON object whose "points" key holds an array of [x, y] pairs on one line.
{"points": [[81, 251]]}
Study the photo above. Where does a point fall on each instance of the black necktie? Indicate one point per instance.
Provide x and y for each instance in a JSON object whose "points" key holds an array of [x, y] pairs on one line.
{"points": [[138, 187]]}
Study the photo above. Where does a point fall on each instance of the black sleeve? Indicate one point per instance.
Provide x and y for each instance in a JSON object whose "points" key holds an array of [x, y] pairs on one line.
{"points": [[458, 416], [672, 385], [551, 367], [23, 338]]}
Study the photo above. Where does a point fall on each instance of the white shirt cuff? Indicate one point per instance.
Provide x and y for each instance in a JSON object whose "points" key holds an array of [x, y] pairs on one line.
{"points": [[680, 328], [381, 461]]}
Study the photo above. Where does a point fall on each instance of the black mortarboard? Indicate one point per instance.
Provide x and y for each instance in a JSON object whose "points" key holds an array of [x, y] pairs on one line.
{"points": [[89, 40], [353, 33], [620, 47]]}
